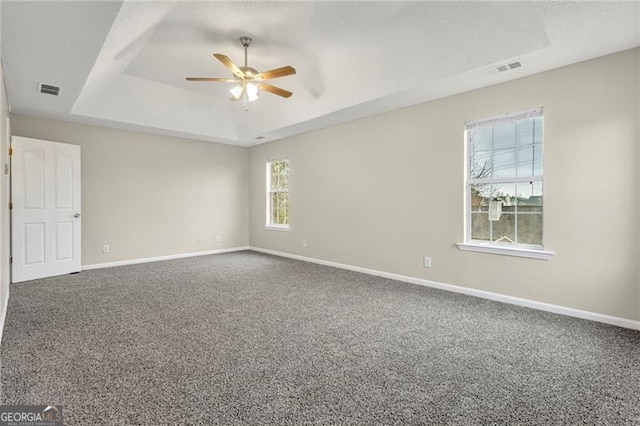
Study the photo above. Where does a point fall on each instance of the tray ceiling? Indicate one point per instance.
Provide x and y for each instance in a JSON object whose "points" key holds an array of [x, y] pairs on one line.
{"points": [[123, 64]]}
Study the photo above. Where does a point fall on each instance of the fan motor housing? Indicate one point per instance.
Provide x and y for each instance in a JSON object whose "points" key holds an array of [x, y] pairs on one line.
{"points": [[249, 72]]}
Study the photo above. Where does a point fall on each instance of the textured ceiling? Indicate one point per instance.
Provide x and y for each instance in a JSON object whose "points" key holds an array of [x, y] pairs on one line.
{"points": [[123, 64]]}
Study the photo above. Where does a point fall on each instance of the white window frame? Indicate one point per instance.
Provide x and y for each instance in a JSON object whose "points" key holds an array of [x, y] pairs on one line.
{"points": [[492, 247], [269, 191]]}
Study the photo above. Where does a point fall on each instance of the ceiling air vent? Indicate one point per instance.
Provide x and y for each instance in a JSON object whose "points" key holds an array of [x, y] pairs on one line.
{"points": [[503, 68], [49, 89], [259, 137]]}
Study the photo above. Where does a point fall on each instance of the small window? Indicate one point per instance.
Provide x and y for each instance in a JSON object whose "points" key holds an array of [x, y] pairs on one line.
{"points": [[505, 181], [278, 193]]}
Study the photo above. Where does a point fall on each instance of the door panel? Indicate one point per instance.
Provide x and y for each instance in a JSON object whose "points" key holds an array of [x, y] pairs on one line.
{"points": [[46, 200], [64, 181], [64, 241], [33, 177], [34, 242]]}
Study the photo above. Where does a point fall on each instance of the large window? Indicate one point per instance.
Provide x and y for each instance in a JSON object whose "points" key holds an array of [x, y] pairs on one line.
{"points": [[505, 181], [278, 193]]}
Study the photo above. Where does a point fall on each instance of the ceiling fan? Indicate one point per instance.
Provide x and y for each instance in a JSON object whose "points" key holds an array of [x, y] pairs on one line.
{"points": [[248, 79]]}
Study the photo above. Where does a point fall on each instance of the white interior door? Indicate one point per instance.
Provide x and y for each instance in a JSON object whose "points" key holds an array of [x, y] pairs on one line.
{"points": [[45, 219]]}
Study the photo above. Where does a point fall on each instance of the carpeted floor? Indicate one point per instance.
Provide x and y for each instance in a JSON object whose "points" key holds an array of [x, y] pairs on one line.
{"points": [[247, 338]]}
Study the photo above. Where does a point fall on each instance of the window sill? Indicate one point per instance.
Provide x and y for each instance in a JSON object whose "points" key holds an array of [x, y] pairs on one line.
{"points": [[278, 227], [507, 251]]}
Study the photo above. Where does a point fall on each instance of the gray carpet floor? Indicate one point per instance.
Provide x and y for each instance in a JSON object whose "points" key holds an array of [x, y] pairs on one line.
{"points": [[247, 338]]}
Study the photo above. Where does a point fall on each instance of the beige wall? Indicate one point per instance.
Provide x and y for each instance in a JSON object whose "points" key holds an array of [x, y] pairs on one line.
{"points": [[147, 195], [4, 201], [385, 191]]}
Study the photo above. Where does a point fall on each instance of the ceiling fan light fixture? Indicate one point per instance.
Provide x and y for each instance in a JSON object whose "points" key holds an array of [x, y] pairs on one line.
{"points": [[236, 92], [252, 92]]}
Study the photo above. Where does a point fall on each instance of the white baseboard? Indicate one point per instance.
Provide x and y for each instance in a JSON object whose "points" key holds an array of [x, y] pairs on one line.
{"points": [[562, 310], [160, 258]]}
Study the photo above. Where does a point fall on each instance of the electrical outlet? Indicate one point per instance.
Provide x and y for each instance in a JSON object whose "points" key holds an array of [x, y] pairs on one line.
{"points": [[105, 248], [304, 243], [427, 262], [218, 238]]}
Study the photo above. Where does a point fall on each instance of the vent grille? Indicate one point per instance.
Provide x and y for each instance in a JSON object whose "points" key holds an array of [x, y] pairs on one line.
{"points": [[503, 68], [259, 137], [49, 89]]}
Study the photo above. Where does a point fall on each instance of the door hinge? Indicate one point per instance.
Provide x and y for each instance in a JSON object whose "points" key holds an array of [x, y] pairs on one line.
{"points": [[10, 150], [10, 259], [10, 205]]}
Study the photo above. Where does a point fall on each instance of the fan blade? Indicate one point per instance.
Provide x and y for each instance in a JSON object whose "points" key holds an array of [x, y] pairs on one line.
{"points": [[275, 90], [229, 64], [225, 80], [275, 73]]}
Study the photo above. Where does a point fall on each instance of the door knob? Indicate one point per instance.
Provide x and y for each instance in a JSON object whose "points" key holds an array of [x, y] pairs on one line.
{"points": [[77, 215]]}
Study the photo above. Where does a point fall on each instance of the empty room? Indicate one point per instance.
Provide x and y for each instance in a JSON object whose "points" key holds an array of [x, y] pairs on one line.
{"points": [[319, 212]]}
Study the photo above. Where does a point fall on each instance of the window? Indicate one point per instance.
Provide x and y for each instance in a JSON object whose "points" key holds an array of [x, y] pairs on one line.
{"points": [[278, 193], [504, 185]]}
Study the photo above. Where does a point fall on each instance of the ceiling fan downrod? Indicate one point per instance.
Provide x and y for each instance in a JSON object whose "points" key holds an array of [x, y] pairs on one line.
{"points": [[246, 42]]}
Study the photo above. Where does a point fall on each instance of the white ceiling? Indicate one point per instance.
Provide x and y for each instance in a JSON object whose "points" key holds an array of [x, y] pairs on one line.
{"points": [[123, 63]]}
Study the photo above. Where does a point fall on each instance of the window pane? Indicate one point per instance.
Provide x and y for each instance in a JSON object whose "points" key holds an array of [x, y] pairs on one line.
{"points": [[525, 161], [525, 132], [481, 165], [504, 136], [530, 208], [537, 160], [284, 174], [505, 192], [530, 229], [504, 230], [504, 150], [275, 177], [537, 131], [530, 197], [504, 162], [480, 139], [279, 208], [279, 175], [480, 196], [480, 152], [503, 200], [480, 226]]}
